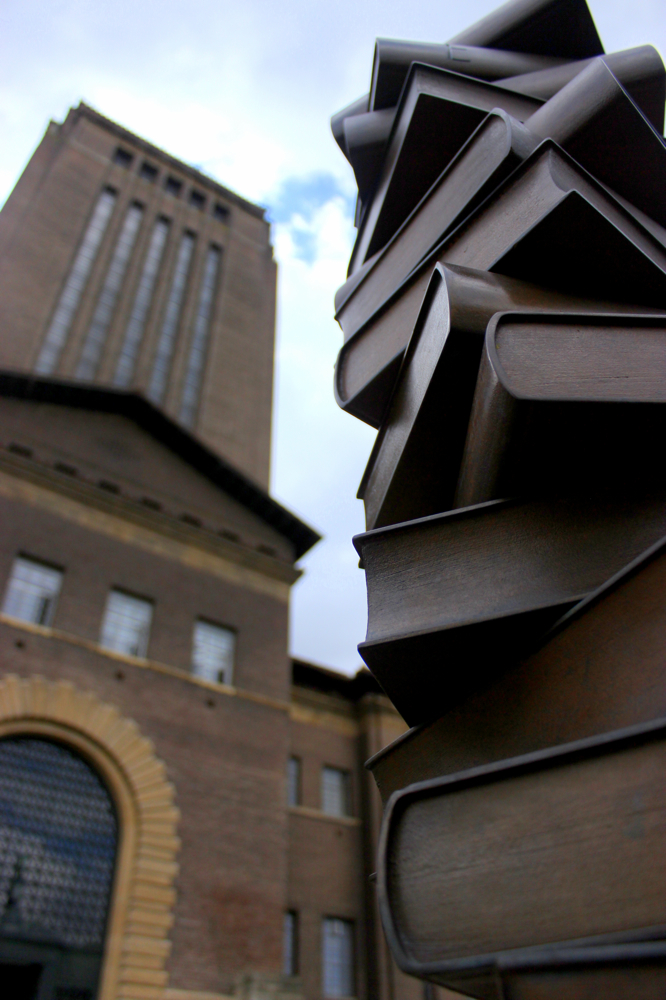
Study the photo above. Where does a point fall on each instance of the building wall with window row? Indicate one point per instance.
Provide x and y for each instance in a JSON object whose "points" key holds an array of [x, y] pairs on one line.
{"points": [[182, 581], [135, 603], [145, 575]]}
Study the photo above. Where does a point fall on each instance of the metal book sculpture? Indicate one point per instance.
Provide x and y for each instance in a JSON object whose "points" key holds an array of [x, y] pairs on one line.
{"points": [[504, 325]]}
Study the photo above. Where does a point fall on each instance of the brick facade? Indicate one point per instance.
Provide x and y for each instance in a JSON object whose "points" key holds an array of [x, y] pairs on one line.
{"points": [[114, 492]]}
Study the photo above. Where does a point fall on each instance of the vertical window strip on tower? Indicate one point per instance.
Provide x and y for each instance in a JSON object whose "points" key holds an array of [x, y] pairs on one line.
{"points": [[197, 355], [167, 339], [56, 335], [144, 294], [99, 325]]}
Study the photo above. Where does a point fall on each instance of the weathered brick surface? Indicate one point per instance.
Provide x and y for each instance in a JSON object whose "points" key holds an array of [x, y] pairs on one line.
{"points": [[245, 856], [112, 448], [94, 563], [226, 757]]}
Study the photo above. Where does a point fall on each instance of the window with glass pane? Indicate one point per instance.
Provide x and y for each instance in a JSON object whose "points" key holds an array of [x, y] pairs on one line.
{"points": [[95, 339], [335, 791], [290, 944], [167, 338], [126, 625], [142, 300], [32, 591], [213, 652], [70, 296], [294, 781], [337, 957], [197, 355]]}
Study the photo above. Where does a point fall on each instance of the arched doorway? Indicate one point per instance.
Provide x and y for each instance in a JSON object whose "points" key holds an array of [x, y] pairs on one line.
{"points": [[58, 845], [136, 944]]}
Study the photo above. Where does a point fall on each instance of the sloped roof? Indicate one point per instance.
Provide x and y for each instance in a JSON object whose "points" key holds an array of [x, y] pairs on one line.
{"points": [[190, 449], [318, 678]]}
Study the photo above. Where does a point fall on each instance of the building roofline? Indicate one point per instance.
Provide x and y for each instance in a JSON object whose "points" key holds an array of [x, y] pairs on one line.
{"points": [[84, 396], [314, 676], [85, 111]]}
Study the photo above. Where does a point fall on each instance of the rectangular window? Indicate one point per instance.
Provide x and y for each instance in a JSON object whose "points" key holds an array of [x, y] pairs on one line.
{"points": [[213, 652], [199, 344], [32, 591], [148, 172], [173, 186], [221, 213], [95, 339], [123, 157], [197, 199], [337, 959], [68, 303], [294, 781], [335, 791], [169, 330], [126, 624], [290, 944]]}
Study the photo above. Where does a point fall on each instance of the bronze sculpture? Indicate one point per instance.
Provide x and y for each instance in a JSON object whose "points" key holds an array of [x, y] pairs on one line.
{"points": [[505, 330]]}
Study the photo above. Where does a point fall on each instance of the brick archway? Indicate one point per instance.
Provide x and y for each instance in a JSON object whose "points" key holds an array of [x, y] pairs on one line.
{"points": [[140, 915]]}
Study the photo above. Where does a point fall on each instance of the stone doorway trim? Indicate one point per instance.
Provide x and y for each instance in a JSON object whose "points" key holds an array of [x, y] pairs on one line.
{"points": [[143, 897]]}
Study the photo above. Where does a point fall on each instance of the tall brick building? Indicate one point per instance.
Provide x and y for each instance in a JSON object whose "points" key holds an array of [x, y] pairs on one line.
{"points": [[184, 814], [124, 267]]}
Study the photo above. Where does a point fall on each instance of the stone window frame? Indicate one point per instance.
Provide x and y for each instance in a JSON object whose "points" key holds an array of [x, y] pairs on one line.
{"points": [[137, 945]]}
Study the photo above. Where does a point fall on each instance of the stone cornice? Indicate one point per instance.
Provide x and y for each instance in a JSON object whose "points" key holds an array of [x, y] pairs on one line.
{"points": [[133, 511]]}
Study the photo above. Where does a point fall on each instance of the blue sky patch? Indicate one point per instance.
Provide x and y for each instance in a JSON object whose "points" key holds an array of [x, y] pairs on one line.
{"points": [[295, 204], [304, 196]]}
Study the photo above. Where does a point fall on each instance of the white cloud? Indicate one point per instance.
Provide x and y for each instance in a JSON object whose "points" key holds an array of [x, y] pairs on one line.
{"points": [[320, 452]]}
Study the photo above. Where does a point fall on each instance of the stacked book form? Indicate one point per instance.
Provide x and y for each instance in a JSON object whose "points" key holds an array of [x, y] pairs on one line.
{"points": [[504, 324]]}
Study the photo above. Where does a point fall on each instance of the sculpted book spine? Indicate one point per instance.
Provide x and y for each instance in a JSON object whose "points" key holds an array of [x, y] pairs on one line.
{"points": [[594, 121], [467, 862], [546, 27], [362, 131], [550, 223], [565, 403], [495, 149], [640, 71], [393, 59], [438, 111], [415, 463], [437, 619], [571, 685]]}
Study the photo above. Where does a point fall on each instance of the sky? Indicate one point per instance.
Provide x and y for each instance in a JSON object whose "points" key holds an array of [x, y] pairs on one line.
{"points": [[244, 90]]}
